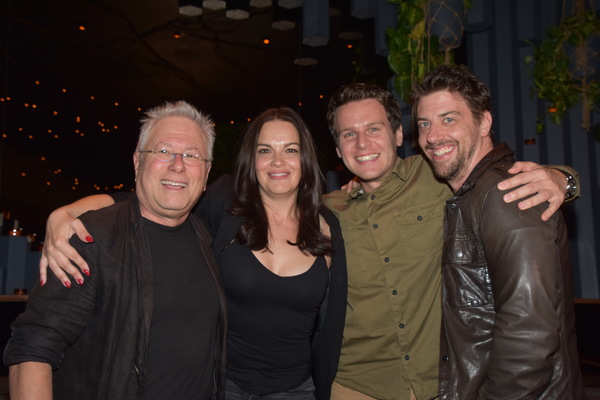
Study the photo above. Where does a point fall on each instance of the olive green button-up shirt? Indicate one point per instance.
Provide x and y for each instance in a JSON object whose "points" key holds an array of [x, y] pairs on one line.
{"points": [[393, 238]]}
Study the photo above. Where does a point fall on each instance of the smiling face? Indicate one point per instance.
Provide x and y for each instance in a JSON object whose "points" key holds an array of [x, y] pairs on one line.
{"points": [[450, 137], [367, 144], [278, 166], [167, 190]]}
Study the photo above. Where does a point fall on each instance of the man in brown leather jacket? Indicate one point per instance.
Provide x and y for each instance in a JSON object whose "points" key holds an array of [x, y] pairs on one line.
{"points": [[508, 317]]}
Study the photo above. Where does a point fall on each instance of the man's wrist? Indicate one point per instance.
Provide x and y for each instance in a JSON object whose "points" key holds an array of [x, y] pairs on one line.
{"points": [[570, 185]]}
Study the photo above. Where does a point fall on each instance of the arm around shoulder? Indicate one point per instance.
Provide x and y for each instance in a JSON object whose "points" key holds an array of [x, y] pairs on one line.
{"points": [[536, 184], [93, 202], [571, 177], [61, 225]]}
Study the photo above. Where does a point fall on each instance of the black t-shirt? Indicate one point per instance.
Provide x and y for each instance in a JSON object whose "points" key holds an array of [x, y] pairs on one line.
{"points": [[183, 335]]}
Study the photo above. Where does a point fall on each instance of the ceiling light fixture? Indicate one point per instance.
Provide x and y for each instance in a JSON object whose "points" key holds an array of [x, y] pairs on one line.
{"points": [[237, 9], [214, 4], [260, 3], [306, 61], [190, 11], [290, 3]]}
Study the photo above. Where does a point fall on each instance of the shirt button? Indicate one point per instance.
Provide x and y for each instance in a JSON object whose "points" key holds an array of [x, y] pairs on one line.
{"points": [[372, 197], [445, 358], [375, 226], [394, 292], [407, 357], [387, 259], [419, 218], [401, 326]]}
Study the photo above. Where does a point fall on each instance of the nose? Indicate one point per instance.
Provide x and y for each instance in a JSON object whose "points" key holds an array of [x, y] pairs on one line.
{"points": [[177, 164], [362, 140], [432, 134], [278, 160]]}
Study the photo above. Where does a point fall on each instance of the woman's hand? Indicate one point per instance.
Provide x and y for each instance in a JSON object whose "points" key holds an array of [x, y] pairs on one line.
{"points": [[58, 253]]}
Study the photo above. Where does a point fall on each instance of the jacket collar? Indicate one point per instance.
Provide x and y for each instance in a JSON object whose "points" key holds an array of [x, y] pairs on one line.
{"points": [[499, 152]]}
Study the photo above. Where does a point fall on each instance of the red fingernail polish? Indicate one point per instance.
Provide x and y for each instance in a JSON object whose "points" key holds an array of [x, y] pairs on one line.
{"points": [[42, 283], [87, 272], [67, 284], [80, 281], [89, 239]]}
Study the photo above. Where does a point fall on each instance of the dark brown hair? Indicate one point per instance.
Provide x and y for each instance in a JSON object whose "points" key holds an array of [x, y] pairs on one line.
{"points": [[455, 79], [248, 205], [351, 92]]}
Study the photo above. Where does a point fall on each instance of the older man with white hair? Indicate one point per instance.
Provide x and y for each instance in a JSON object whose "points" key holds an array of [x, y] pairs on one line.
{"points": [[135, 330]]}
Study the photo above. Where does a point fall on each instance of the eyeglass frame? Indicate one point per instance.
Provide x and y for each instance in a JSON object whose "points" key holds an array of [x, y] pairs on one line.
{"points": [[174, 154]]}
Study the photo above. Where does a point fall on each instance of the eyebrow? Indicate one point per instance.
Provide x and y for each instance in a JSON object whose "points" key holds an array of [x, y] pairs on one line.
{"points": [[453, 112], [170, 145], [442, 115], [286, 145], [368, 124]]}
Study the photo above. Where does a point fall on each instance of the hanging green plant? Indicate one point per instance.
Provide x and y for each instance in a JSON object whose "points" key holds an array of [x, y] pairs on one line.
{"points": [[413, 49], [565, 68]]}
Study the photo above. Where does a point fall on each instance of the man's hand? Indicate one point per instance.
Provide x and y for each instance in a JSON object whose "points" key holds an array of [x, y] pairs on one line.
{"points": [[57, 251], [348, 187], [543, 183]]}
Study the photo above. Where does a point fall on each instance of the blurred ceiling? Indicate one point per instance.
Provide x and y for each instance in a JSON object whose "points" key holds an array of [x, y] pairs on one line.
{"points": [[76, 76], [144, 51]]}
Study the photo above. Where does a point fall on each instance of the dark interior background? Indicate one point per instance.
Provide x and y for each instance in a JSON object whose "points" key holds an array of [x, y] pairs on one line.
{"points": [[71, 99]]}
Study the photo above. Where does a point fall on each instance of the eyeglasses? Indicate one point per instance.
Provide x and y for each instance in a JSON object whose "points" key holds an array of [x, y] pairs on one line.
{"points": [[167, 155]]}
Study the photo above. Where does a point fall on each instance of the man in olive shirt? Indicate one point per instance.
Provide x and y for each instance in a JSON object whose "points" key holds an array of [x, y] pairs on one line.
{"points": [[392, 226]]}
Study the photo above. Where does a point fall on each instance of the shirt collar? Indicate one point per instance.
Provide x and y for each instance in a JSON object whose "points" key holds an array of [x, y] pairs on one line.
{"points": [[398, 172]]}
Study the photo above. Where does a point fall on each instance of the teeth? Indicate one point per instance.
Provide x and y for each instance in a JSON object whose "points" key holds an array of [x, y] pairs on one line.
{"points": [[442, 151], [279, 174], [367, 157], [171, 183]]}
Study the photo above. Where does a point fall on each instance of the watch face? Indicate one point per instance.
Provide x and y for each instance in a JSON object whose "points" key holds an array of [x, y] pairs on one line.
{"points": [[571, 187]]}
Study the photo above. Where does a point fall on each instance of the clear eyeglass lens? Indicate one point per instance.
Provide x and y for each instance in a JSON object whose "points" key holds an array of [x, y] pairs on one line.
{"points": [[166, 155]]}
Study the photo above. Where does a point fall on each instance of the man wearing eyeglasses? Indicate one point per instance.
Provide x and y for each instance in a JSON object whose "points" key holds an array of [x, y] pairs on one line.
{"points": [[126, 334]]}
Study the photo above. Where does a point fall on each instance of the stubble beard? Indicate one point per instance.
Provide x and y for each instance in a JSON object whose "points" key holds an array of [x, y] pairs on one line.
{"points": [[450, 171]]}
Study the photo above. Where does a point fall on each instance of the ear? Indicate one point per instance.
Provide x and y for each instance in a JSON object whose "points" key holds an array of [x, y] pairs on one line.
{"points": [[486, 124], [136, 162], [208, 167], [337, 150], [399, 136]]}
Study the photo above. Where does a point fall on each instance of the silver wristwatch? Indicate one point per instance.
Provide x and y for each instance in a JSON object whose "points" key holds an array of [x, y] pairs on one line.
{"points": [[570, 187]]}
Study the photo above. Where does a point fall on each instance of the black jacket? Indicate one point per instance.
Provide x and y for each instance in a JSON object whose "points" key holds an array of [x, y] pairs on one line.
{"points": [[507, 296], [101, 328], [327, 340]]}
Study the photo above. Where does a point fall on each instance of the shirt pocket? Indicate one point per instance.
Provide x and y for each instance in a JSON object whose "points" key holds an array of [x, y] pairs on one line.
{"points": [[466, 279], [421, 229], [360, 247], [363, 260]]}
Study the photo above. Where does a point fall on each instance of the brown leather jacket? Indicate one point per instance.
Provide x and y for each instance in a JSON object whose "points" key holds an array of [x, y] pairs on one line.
{"points": [[509, 326]]}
